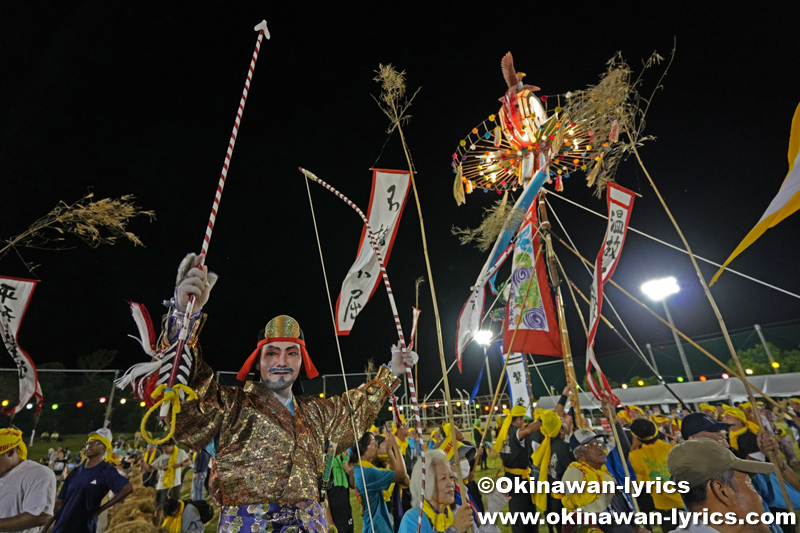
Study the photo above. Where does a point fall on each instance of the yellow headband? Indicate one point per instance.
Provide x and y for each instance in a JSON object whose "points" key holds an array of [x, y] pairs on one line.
{"points": [[636, 408], [395, 427], [625, 416], [658, 419], [745, 405], [515, 412], [551, 424], [707, 407], [652, 434], [734, 412], [12, 438], [107, 443]]}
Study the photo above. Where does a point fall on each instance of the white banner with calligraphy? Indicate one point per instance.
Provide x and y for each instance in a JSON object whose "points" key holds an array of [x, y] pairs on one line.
{"points": [[14, 297], [386, 203], [469, 320], [517, 381], [620, 203]]}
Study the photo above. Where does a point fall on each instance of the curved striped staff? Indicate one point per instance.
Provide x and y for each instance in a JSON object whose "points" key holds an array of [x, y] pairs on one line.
{"points": [[170, 399], [400, 336]]}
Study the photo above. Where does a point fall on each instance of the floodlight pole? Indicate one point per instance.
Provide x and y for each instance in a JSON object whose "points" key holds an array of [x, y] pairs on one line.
{"points": [[488, 371], [110, 405], [678, 343], [766, 348], [652, 357]]}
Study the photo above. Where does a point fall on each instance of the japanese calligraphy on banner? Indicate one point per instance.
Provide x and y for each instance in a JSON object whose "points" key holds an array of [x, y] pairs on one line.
{"points": [[469, 320], [386, 203], [538, 331], [14, 297], [620, 203], [517, 381]]}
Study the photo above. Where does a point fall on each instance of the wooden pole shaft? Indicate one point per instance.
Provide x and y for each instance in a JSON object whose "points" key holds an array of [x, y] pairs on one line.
{"points": [[685, 337], [566, 349], [448, 399], [773, 457], [569, 367]]}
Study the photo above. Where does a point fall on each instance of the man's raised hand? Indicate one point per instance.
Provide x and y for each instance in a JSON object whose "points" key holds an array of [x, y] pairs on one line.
{"points": [[402, 358], [194, 280]]}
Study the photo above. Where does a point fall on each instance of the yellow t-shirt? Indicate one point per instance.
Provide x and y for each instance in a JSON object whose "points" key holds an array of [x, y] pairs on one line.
{"points": [[650, 464]]}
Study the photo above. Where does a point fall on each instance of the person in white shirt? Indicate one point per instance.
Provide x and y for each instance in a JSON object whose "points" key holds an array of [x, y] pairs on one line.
{"points": [[168, 465], [27, 489]]}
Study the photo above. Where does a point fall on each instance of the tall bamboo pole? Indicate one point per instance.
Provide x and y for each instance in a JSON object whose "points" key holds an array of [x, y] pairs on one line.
{"points": [[773, 457], [420, 281], [448, 399], [685, 337], [566, 349]]}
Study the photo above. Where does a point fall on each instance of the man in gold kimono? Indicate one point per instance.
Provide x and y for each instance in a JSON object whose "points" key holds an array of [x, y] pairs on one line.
{"points": [[269, 443]]}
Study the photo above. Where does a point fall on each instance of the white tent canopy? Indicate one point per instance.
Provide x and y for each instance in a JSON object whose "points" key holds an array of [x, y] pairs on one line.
{"points": [[711, 391]]}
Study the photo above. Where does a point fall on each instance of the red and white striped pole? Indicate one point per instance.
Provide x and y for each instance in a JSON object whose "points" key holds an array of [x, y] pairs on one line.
{"points": [[401, 338], [262, 30]]}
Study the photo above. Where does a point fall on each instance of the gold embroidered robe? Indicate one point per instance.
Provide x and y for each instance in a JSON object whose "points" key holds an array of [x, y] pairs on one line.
{"points": [[266, 455]]}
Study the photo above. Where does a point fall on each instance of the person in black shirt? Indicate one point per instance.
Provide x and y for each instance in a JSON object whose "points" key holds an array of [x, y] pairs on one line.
{"points": [[515, 445], [477, 435]]}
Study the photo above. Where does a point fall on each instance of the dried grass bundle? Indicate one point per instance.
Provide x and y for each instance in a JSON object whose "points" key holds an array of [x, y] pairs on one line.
{"points": [[393, 101], [608, 110], [135, 526], [94, 222], [495, 218]]}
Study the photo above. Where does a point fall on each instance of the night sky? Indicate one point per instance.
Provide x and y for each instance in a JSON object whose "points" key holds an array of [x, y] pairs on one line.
{"points": [[139, 98]]}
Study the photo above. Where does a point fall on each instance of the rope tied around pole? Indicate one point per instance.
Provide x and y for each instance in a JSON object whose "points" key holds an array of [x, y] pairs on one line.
{"points": [[169, 396]]}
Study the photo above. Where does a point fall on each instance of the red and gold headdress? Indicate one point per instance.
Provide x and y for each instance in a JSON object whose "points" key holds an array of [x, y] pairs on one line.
{"points": [[282, 328]]}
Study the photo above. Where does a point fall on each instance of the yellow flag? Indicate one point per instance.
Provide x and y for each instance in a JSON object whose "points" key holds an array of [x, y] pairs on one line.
{"points": [[784, 204]]}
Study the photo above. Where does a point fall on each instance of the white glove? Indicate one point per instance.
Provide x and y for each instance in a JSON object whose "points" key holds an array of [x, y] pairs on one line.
{"points": [[193, 280], [402, 358]]}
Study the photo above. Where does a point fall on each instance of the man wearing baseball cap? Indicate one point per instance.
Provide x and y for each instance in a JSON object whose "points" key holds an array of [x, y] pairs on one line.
{"points": [[719, 482], [590, 466], [702, 426]]}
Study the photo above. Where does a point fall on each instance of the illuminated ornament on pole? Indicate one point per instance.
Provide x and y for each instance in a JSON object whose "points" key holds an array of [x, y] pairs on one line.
{"points": [[507, 149], [624, 385], [725, 376], [54, 406], [680, 379], [102, 400], [702, 378], [749, 371], [776, 364], [79, 405], [640, 383]]}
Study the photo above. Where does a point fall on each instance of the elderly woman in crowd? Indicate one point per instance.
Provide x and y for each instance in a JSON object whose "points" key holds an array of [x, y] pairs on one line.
{"points": [[439, 496]]}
